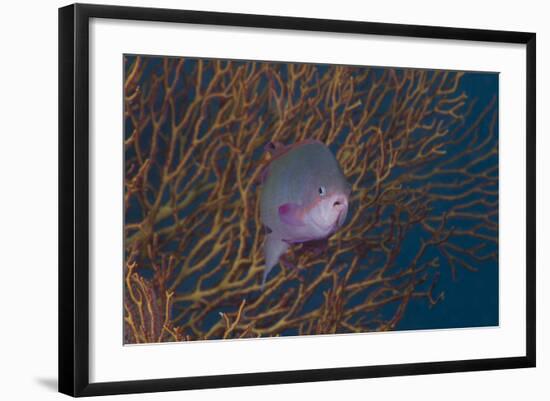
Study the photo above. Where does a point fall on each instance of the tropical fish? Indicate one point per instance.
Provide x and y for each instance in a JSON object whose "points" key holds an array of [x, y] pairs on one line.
{"points": [[304, 197]]}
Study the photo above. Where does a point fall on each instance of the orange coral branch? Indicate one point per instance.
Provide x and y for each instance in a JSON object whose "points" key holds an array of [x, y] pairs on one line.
{"points": [[194, 134]]}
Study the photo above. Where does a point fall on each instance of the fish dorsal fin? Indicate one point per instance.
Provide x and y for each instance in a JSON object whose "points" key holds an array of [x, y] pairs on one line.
{"points": [[263, 174], [278, 149], [275, 150], [291, 214]]}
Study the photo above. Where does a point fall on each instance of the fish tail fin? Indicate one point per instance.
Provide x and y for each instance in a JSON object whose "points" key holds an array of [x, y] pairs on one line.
{"points": [[273, 249], [264, 277]]}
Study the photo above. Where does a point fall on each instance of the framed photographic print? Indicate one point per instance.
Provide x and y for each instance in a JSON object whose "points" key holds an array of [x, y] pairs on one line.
{"points": [[249, 199]]}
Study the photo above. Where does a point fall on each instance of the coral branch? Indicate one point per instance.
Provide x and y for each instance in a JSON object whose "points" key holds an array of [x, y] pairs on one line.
{"points": [[424, 195]]}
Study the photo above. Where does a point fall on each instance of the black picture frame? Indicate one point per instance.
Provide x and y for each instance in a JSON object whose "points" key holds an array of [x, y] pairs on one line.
{"points": [[74, 200]]}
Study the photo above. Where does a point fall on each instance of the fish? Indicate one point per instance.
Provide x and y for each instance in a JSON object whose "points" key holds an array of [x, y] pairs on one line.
{"points": [[304, 198]]}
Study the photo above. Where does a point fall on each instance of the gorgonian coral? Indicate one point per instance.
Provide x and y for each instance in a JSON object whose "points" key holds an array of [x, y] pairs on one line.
{"points": [[421, 156]]}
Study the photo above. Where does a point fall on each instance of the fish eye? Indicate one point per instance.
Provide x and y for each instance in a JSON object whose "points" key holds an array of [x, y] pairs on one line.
{"points": [[322, 191]]}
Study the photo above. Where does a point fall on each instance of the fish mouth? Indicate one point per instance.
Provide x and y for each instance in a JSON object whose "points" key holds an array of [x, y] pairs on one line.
{"points": [[339, 221], [332, 227], [341, 218], [330, 214]]}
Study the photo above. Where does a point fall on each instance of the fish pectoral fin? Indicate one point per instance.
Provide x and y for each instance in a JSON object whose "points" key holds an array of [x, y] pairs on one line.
{"points": [[273, 249], [291, 214]]}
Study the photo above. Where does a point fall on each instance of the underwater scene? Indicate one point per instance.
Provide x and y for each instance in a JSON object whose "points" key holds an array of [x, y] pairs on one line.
{"points": [[267, 199]]}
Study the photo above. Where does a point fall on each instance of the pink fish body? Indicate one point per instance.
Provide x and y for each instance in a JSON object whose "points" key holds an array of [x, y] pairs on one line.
{"points": [[304, 197]]}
